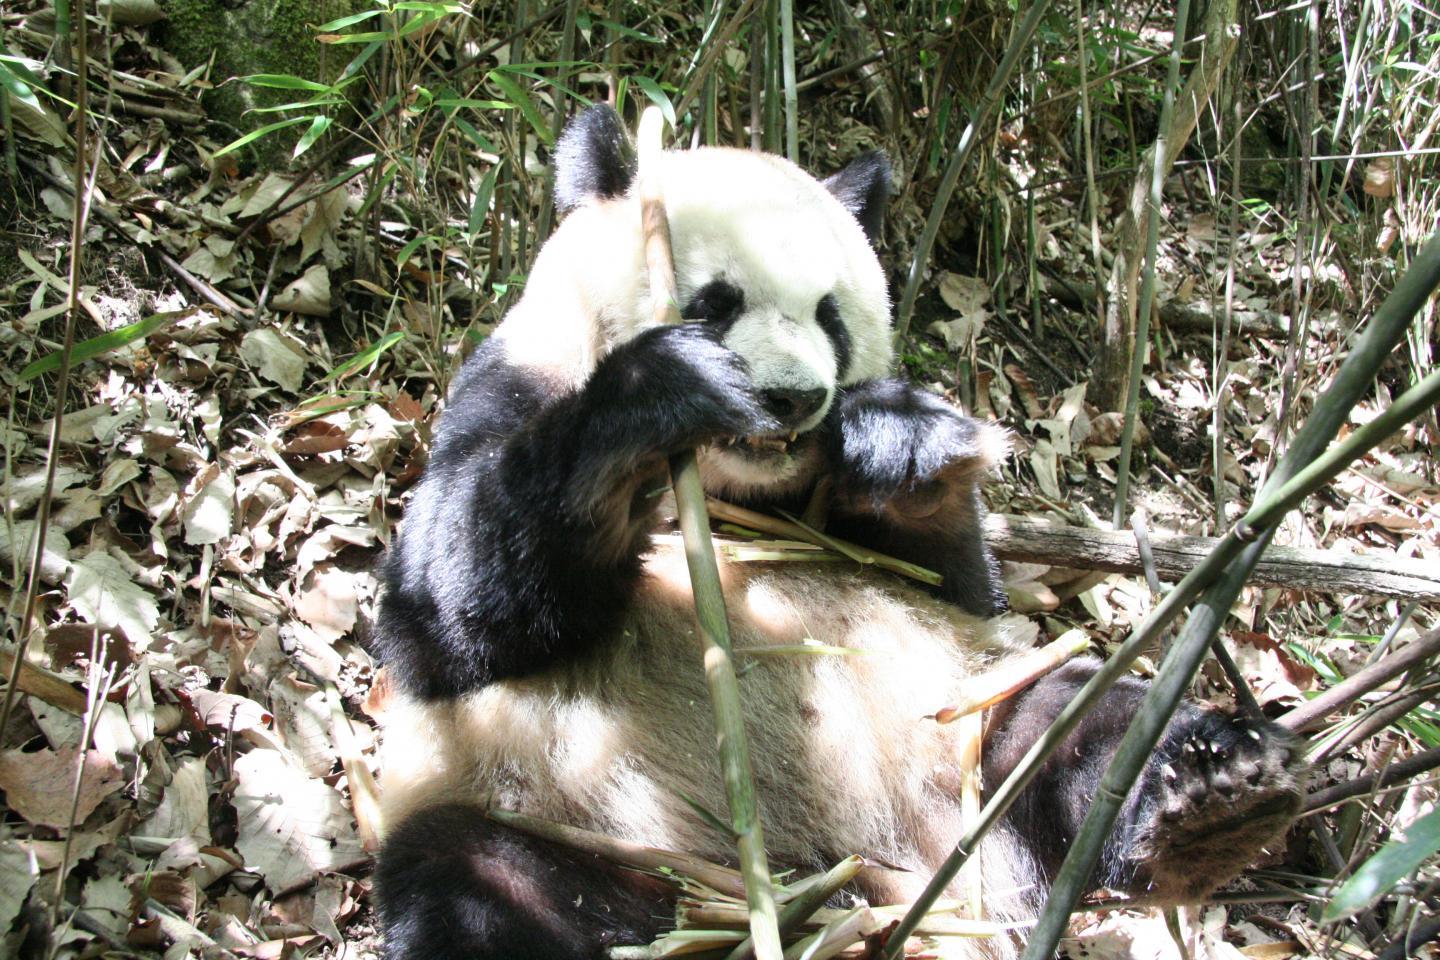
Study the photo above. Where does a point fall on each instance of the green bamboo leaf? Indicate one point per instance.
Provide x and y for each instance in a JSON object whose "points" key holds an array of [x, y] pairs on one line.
{"points": [[481, 206], [410, 248], [18, 81], [257, 134], [307, 140], [88, 349], [365, 357], [369, 36], [659, 98], [1377, 876], [434, 9], [519, 96], [474, 104], [308, 105], [625, 31], [344, 22], [284, 81]]}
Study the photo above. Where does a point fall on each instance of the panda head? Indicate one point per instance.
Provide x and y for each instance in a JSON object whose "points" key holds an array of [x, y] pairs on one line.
{"points": [[781, 264]]}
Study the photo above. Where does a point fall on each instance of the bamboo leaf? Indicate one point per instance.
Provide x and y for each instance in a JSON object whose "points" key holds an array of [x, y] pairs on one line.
{"points": [[18, 81], [481, 205], [284, 81], [521, 98], [1377, 876], [88, 349], [365, 357], [257, 134], [658, 97], [307, 140]]}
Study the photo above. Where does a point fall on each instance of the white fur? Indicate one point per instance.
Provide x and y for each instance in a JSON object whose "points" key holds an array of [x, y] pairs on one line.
{"points": [[845, 756], [750, 217]]}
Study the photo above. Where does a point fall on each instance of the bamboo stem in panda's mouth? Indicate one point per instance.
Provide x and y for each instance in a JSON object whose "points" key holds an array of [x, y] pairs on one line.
{"points": [[705, 575]]}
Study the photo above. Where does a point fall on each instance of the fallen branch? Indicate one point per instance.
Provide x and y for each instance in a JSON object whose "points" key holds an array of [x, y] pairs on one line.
{"points": [[1042, 541]]}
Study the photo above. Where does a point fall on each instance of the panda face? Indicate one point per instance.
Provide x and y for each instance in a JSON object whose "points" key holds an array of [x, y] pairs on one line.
{"points": [[786, 276]]}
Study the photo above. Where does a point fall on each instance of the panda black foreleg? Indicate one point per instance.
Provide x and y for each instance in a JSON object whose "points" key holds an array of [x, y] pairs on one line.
{"points": [[525, 536], [1217, 789], [453, 885], [907, 473]]}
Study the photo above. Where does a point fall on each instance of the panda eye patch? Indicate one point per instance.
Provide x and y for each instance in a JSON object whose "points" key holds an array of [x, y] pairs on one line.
{"points": [[718, 301]]}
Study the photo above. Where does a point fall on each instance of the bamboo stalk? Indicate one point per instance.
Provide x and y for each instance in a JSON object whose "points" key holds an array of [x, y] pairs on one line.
{"points": [[795, 530], [1139, 346], [705, 576], [979, 117], [800, 909], [1385, 329]]}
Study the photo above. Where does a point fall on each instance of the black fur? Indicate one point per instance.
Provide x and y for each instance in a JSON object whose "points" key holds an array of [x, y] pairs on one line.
{"points": [[863, 188], [1215, 789], [534, 510], [593, 159], [907, 473], [487, 891], [827, 314]]}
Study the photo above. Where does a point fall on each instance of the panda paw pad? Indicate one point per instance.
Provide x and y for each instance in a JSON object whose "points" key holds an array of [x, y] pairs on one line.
{"points": [[1231, 787]]}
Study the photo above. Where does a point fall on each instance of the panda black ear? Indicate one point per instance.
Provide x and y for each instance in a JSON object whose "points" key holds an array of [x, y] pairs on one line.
{"points": [[593, 159], [863, 188]]}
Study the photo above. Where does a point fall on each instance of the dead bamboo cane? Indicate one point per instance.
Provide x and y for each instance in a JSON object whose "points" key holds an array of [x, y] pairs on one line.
{"points": [[705, 576]]}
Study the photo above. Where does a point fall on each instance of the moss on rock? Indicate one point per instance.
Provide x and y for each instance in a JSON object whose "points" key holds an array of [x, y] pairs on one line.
{"points": [[255, 36]]}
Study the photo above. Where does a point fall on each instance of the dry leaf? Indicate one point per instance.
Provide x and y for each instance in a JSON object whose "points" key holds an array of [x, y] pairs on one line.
{"points": [[310, 294], [18, 873], [209, 514], [40, 786], [184, 809], [227, 711], [102, 592], [291, 826], [274, 358], [329, 603]]}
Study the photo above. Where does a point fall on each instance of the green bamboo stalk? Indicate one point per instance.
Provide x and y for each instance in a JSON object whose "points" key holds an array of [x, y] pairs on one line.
{"points": [[1139, 346], [1386, 328], [787, 69], [719, 658], [979, 117], [1372, 349]]}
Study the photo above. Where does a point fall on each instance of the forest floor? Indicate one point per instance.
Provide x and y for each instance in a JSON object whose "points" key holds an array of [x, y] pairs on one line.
{"points": [[229, 473]]}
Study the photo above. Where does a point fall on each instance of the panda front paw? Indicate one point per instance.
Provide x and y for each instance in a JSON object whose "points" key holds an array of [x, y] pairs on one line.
{"points": [[1222, 787], [893, 439], [678, 386]]}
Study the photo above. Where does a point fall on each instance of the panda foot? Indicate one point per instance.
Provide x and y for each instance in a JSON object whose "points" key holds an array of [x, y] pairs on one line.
{"points": [[1222, 790]]}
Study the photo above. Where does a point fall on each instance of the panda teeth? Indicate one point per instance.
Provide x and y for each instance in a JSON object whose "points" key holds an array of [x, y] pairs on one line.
{"points": [[777, 444]]}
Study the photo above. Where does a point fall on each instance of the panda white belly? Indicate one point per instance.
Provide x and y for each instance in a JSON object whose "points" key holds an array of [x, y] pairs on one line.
{"points": [[845, 758]]}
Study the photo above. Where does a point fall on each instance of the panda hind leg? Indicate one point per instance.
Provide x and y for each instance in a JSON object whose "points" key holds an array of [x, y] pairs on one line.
{"points": [[452, 884]]}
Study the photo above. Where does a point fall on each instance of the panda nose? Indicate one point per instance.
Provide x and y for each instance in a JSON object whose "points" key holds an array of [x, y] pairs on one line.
{"points": [[791, 407]]}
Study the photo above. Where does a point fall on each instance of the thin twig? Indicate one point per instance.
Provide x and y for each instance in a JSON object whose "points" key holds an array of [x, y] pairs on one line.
{"points": [[80, 209]]}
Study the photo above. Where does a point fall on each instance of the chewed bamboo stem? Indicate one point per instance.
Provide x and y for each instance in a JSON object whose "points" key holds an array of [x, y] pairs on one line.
{"points": [[705, 576]]}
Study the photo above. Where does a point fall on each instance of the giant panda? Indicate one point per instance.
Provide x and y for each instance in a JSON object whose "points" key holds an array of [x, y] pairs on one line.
{"points": [[544, 648]]}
